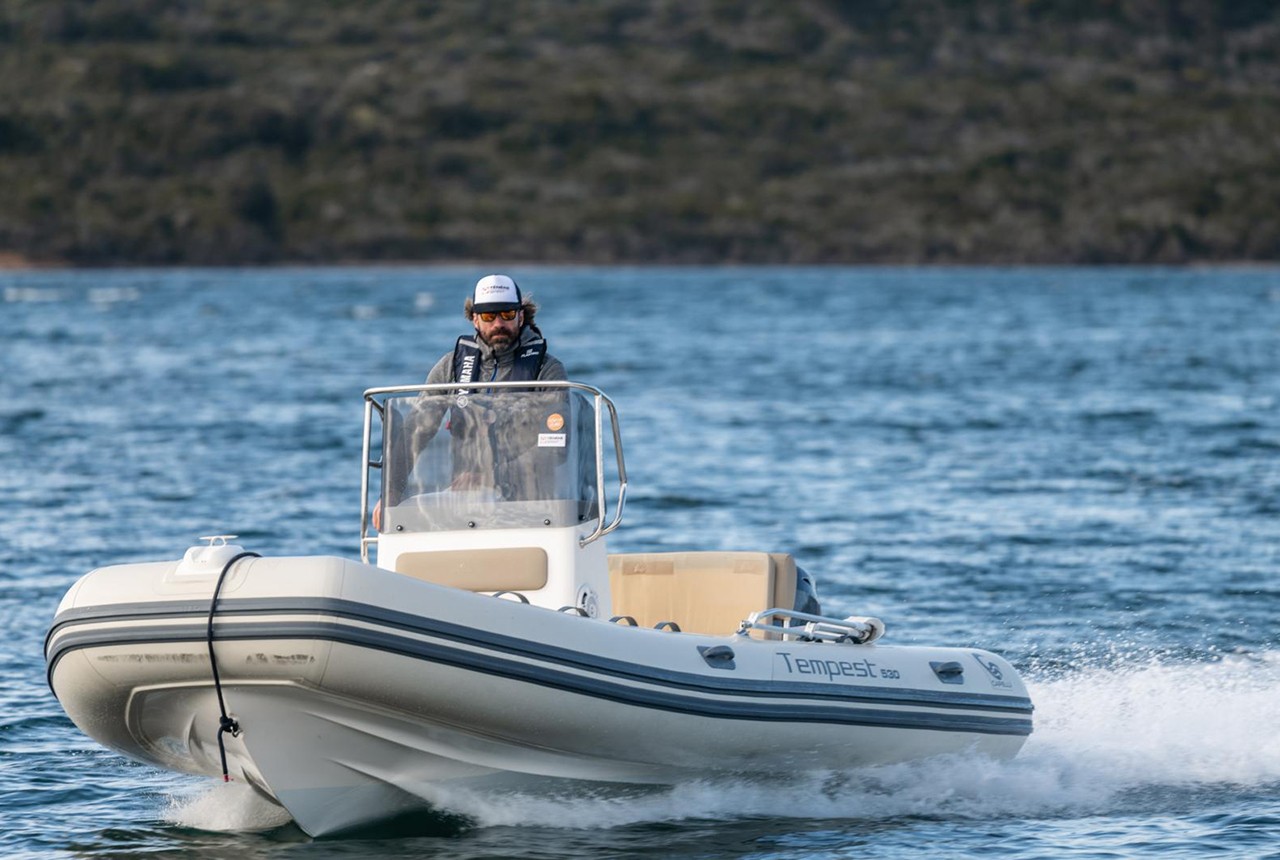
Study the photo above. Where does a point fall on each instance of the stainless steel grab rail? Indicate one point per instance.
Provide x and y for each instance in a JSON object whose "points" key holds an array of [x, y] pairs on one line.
{"points": [[814, 628]]}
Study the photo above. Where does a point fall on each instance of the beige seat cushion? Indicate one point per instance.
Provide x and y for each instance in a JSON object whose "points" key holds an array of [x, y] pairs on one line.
{"points": [[703, 592], [507, 569]]}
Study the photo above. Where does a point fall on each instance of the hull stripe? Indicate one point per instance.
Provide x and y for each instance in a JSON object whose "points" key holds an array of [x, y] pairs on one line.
{"points": [[678, 692]]}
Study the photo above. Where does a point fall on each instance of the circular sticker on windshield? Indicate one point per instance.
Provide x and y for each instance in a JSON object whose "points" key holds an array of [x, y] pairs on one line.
{"points": [[555, 421]]}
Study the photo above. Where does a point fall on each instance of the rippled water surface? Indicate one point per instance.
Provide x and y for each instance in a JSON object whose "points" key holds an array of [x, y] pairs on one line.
{"points": [[1076, 468]]}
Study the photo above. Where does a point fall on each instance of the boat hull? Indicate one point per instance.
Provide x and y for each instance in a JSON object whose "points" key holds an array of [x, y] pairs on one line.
{"points": [[362, 694]]}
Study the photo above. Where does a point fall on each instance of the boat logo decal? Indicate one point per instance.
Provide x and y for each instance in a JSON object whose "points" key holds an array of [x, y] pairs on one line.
{"points": [[997, 676], [833, 670], [555, 422], [261, 659]]}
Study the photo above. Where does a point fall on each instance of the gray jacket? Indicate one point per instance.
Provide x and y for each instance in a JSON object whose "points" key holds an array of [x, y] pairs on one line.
{"points": [[552, 368]]}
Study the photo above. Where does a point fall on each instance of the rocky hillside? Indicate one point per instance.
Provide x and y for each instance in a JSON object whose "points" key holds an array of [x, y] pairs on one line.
{"points": [[810, 131]]}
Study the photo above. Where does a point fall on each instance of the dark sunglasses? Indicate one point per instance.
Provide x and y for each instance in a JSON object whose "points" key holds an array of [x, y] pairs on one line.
{"points": [[506, 315]]}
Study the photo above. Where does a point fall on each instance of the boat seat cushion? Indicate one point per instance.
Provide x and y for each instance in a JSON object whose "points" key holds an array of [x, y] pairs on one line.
{"points": [[505, 569], [703, 592]]}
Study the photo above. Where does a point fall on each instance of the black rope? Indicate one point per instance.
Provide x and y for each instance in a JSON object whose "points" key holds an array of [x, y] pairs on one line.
{"points": [[226, 725]]}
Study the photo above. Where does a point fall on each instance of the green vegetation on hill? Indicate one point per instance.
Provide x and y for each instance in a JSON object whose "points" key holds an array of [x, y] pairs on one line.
{"points": [[810, 131]]}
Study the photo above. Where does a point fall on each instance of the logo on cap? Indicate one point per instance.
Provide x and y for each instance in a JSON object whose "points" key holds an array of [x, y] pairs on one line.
{"points": [[496, 290]]}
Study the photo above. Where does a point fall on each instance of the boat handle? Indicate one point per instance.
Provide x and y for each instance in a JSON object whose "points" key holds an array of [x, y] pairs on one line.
{"points": [[949, 672], [717, 656]]}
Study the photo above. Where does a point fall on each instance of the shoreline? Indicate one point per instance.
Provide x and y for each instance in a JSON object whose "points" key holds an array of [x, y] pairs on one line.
{"points": [[16, 262], [11, 261]]}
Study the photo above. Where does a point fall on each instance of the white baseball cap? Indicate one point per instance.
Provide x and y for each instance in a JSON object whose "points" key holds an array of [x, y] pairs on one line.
{"points": [[495, 293]]}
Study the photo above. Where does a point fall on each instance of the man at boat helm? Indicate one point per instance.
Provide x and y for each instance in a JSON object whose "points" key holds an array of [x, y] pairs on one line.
{"points": [[507, 346]]}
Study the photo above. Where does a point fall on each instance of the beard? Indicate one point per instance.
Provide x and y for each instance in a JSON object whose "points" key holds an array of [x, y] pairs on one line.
{"points": [[501, 339]]}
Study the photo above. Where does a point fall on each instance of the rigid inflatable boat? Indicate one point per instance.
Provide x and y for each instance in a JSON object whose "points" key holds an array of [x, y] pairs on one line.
{"points": [[496, 643]]}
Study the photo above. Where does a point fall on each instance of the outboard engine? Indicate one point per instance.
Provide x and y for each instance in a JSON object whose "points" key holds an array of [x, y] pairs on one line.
{"points": [[806, 593]]}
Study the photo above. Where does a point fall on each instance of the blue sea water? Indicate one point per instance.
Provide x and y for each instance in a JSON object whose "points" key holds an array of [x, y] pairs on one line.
{"points": [[1074, 467]]}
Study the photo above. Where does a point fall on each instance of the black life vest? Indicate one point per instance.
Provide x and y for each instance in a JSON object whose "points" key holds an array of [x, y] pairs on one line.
{"points": [[525, 366]]}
